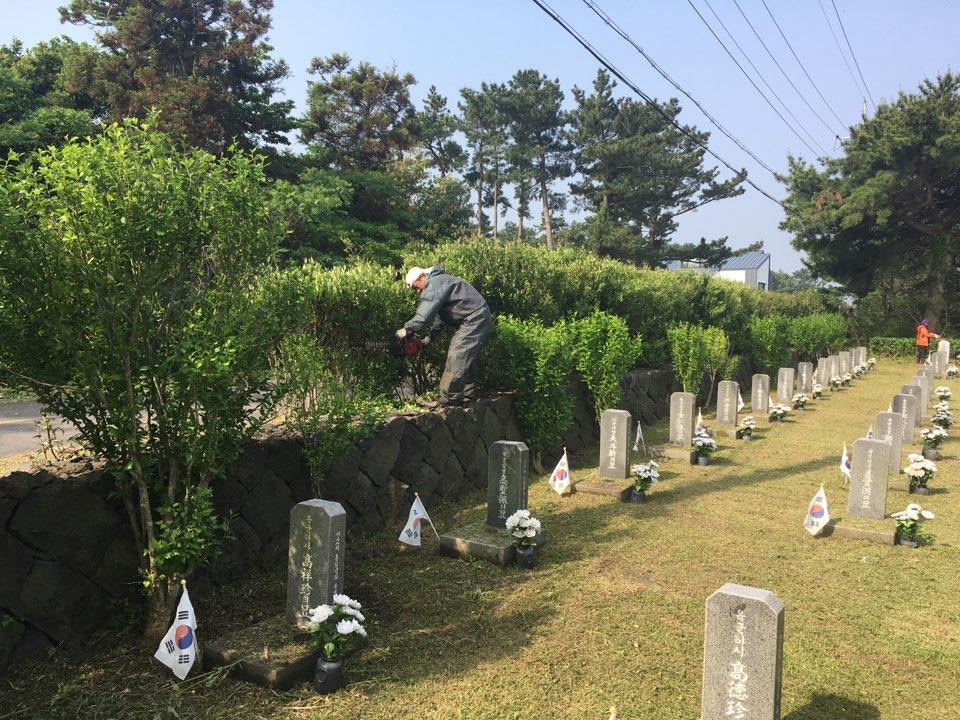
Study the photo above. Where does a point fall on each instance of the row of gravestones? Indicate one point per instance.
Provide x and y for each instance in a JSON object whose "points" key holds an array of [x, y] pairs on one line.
{"points": [[743, 636], [877, 459]]}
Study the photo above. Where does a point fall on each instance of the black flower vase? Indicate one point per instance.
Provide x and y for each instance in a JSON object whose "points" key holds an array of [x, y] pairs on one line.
{"points": [[524, 556], [328, 676], [638, 496]]}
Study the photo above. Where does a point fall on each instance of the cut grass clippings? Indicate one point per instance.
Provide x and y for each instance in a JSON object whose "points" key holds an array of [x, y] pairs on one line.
{"points": [[613, 612]]}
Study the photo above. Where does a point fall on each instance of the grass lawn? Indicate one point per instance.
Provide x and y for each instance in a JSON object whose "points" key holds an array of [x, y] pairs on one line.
{"points": [[613, 613]]}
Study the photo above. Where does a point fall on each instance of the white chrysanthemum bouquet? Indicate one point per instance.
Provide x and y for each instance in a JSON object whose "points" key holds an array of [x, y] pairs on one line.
{"points": [[933, 437], [800, 401], [919, 470], [778, 413], [337, 627], [747, 426], [908, 524], [943, 393], [645, 475], [524, 528]]}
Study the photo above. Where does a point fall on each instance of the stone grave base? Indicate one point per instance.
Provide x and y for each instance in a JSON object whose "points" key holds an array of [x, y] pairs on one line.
{"points": [[614, 488], [859, 528], [675, 452], [478, 541], [725, 431], [273, 653], [899, 482]]}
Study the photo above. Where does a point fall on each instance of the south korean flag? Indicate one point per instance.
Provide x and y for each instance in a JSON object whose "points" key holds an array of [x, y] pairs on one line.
{"points": [[178, 649]]}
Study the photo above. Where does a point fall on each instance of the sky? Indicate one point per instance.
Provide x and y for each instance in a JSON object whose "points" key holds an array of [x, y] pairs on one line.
{"points": [[460, 43]]}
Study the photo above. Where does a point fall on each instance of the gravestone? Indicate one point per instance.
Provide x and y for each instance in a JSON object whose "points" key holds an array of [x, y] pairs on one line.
{"points": [[614, 443], [906, 407], [728, 392], [940, 362], [844, 362], [682, 418], [823, 371], [742, 654], [805, 377], [888, 427], [862, 354], [917, 392], [868, 479], [944, 346], [834, 366], [760, 395], [785, 385], [508, 473], [315, 560], [926, 389]]}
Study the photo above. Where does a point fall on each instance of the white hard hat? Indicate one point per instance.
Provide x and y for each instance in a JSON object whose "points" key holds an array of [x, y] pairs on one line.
{"points": [[412, 274]]}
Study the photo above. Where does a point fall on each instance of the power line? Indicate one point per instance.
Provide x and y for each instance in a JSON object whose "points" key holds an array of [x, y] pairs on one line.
{"points": [[776, 62], [762, 78], [850, 47], [598, 56], [802, 66], [612, 24], [836, 41]]}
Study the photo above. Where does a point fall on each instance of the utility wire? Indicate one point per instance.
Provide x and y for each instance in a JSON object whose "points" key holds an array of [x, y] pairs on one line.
{"points": [[612, 24], [762, 78], [599, 57], [800, 63], [850, 47], [846, 62], [783, 72]]}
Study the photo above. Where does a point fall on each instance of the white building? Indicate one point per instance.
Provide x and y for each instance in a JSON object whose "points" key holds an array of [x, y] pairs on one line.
{"points": [[752, 268]]}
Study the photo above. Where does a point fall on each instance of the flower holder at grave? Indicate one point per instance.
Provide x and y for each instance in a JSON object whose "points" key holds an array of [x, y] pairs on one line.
{"points": [[866, 503], [508, 475], [279, 652], [612, 478]]}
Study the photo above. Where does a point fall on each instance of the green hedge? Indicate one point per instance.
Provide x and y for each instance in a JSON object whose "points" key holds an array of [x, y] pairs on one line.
{"points": [[531, 282], [901, 346]]}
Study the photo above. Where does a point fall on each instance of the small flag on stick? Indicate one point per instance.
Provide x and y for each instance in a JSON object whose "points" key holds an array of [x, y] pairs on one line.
{"points": [[638, 440], [740, 403], [701, 426], [178, 649], [845, 463], [560, 477], [411, 531], [818, 515]]}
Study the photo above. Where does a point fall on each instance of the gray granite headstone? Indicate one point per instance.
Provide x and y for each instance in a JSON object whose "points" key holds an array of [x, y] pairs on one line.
{"points": [[917, 392], [869, 469], [926, 371], [742, 654], [805, 377], [944, 346], [682, 418], [940, 362], [888, 427], [834, 366], [906, 407], [760, 395], [728, 392], [318, 530], [823, 371], [862, 354], [844, 362], [926, 389], [508, 474], [785, 385], [614, 443]]}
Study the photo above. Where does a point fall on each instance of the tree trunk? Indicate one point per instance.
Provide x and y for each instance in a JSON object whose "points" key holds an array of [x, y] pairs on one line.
{"points": [[546, 202], [520, 227], [935, 300], [496, 203], [480, 203], [159, 608]]}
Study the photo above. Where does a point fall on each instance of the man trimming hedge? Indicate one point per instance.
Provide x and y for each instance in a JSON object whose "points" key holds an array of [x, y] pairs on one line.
{"points": [[452, 301]]}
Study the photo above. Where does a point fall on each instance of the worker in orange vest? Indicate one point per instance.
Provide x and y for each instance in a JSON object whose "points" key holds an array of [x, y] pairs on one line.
{"points": [[923, 341]]}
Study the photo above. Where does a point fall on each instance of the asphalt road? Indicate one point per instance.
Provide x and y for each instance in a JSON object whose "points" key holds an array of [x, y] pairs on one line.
{"points": [[18, 429]]}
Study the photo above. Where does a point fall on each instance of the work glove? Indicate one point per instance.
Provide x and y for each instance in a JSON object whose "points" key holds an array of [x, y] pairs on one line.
{"points": [[401, 333]]}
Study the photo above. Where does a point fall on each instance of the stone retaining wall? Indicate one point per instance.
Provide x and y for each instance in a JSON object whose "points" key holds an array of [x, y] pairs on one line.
{"points": [[67, 555]]}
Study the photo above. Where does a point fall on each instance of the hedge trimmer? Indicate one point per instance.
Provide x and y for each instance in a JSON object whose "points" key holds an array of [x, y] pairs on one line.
{"points": [[408, 346]]}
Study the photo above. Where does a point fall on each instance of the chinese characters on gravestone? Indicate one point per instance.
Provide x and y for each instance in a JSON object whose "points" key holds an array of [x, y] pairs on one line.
{"points": [[682, 419], [888, 427], [614, 443], [742, 654], [785, 384], [728, 395], [316, 556], [760, 395], [906, 406], [805, 377], [508, 474], [868, 478]]}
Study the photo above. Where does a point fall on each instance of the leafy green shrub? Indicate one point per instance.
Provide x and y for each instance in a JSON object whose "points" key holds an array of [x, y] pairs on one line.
{"points": [[770, 343], [718, 358], [815, 336], [603, 352], [689, 355], [132, 303], [901, 346], [536, 363]]}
